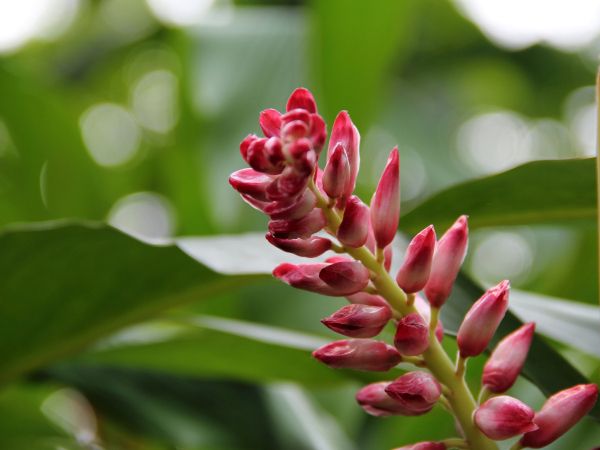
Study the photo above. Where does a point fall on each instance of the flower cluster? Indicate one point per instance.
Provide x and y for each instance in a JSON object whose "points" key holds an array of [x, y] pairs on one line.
{"points": [[313, 211]]}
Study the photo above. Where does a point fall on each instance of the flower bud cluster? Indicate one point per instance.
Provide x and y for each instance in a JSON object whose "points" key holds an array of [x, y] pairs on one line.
{"points": [[301, 200]]}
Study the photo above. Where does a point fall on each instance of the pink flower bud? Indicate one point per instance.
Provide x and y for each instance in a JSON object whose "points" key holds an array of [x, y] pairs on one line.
{"points": [[270, 122], [318, 132], [257, 157], [292, 209], [504, 417], [303, 156], [374, 400], [412, 335], [385, 204], [347, 277], [303, 99], [359, 321], [336, 173], [245, 145], [448, 257], [303, 276], [424, 446], [414, 273], [425, 310], [482, 320], [364, 298], [417, 392], [300, 228], [287, 185], [354, 229], [506, 361], [560, 413], [309, 248], [297, 114], [250, 182], [274, 152], [344, 132], [358, 354]]}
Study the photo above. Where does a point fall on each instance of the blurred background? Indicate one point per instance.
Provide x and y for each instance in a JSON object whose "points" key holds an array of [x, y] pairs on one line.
{"points": [[131, 111]]}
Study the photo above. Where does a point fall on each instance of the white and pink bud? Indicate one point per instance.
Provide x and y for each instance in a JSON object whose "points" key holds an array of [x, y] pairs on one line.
{"points": [[482, 320], [359, 321], [270, 122], [417, 392], [308, 248], [412, 335], [301, 228], [375, 401], [506, 361], [354, 229], [424, 446], [358, 354], [447, 259], [345, 277], [504, 417], [345, 133], [336, 173], [560, 413], [385, 204], [414, 272], [251, 183]]}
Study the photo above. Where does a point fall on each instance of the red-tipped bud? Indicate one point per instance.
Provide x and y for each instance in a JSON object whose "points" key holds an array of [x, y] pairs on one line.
{"points": [[250, 182], [425, 310], [482, 320], [417, 392], [358, 321], [300, 228], [412, 335], [504, 365], [303, 276], [309, 248], [448, 257], [358, 354], [374, 400], [364, 298], [344, 132], [385, 204], [347, 277], [294, 209], [336, 173], [318, 132], [354, 229], [303, 99], [414, 273], [270, 122], [424, 446], [504, 417], [245, 145], [560, 413]]}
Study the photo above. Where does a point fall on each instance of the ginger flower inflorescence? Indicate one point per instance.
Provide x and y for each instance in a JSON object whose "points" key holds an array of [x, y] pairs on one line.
{"points": [[312, 211]]}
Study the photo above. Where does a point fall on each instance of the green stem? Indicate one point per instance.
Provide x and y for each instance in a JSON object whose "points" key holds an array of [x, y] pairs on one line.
{"points": [[456, 443], [517, 446], [484, 395], [461, 400], [598, 153]]}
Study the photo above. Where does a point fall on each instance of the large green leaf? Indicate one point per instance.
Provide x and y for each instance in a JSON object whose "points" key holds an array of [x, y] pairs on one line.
{"points": [[557, 191]]}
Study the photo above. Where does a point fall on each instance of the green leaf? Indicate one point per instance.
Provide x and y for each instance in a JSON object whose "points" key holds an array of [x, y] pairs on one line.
{"points": [[539, 192], [65, 285]]}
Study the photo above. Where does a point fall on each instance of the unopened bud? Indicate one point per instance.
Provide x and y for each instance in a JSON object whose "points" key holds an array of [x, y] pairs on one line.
{"points": [[303, 99], [345, 133], [424, 446], [347, 277], [412, 335], [415, 269], [245, 145], [301, 228], [560, 413], [447, 259], [270, 122], [354, 229], [417, 392], [358, 354], [252, 183], [287, 185], [504, 417], [385, 204], [336, 173], [317, 132], [359, 321], [506, 361], [482, 320], [292, 209], [309, 248], [375, 401]]}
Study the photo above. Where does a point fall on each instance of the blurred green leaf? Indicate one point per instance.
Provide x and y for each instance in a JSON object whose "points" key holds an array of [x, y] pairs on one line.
{"points": [[557, 191]]}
